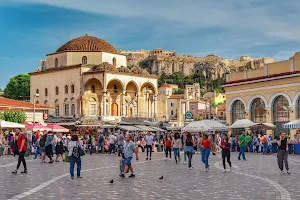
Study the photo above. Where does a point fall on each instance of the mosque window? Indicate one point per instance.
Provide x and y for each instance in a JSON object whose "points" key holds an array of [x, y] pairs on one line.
{"points": [[56, 90], [72, 89], [56, 62], [115, 88], [37, 91], [73, 110], [46, 92], [114, 62], [66, 89], [84, 60]]}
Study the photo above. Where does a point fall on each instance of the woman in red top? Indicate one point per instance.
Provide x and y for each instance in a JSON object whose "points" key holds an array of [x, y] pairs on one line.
{"points": [[206, 146], [168, 142], [22, 147]]}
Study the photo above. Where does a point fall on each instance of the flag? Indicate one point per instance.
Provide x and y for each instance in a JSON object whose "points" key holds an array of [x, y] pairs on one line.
{"points": [[131, 102]]}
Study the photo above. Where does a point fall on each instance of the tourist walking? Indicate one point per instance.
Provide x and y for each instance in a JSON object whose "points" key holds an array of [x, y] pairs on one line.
{"points": [[207, 146], [59, 149], [248, 142], [149, 143], [225, 146], [242, 145], [176, 147], [129, 149], [49, 147], [189, 148], [74, 155], [112, 144], [168, 144], [120, 144], [282, 153], [22, 147], [101, 143], [256, 144]]}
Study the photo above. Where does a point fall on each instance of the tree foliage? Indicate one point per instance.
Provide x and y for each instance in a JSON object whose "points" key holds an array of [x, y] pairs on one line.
{"points": [[17, 116], [18, 87], [179, 91], [198, 118]]}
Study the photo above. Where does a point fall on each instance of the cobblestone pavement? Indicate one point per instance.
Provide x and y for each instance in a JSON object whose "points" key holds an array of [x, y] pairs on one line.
{"points": [[257, 178]]}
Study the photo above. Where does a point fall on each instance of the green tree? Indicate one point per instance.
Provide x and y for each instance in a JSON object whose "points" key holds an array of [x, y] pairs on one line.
{"points": [[17, 87], [17, 116], [198, 118], [1, 90], [162, 79], [179, 91]]}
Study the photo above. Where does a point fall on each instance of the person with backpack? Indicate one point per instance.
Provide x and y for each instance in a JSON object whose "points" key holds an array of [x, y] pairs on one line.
{"points": [[101, 143], [265, 144], [48, 146], [168, 144], [255, 144], [74, 155]]}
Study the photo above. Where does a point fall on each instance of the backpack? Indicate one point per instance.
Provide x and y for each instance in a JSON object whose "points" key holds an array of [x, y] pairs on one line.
{"points": [[42, 142], [101, 139], [75, 152], [264, 140]]}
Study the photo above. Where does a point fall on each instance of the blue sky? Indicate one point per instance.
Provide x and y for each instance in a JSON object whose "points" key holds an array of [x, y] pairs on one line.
{"points": [[30, 29]]}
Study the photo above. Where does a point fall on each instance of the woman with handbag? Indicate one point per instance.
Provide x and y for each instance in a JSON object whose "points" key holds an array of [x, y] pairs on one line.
{"points": [[75, 153]]}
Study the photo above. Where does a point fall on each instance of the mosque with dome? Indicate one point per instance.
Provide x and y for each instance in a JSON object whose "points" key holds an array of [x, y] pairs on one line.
{"points": [[87, 76]]}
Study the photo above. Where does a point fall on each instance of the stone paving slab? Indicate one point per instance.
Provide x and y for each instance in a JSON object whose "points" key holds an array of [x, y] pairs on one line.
{"points": [[252, 179]]}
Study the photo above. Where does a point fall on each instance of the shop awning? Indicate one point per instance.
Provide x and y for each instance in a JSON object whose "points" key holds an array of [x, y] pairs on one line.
{"points": [[145, 128], [158, 129], [129, 128], [295, 124]]}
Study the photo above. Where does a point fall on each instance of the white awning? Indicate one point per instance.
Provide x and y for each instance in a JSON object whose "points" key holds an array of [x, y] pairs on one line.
{"points": [[203, 126], [145, 128], [295, 124], [243, 123], [129, 128], [158, 129], [6, 124]]}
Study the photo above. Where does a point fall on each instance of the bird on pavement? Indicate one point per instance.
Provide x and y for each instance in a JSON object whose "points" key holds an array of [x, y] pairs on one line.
{"points": [[161, 178], [112, 181]]}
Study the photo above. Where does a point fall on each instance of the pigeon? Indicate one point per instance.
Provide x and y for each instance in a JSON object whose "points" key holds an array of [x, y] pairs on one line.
{"points": [[112, 181], [161, 178]]}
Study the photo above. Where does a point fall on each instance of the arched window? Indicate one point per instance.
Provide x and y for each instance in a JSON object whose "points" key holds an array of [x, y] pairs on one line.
{"points": [[56, 62], [46, 102], [73, 109], [281, 114], [115, 88], [56, 90], [238, 111], [258, 111], [37, 91], [66, 89], [114, 62], [67, 110], [84, 60], [46, 92], [93, 89], [72, 89], [298, 107]]}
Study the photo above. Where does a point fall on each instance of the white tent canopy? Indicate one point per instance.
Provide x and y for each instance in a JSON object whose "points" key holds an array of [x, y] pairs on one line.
{"points": [[6, 124], [295, 124], [203, 126]]}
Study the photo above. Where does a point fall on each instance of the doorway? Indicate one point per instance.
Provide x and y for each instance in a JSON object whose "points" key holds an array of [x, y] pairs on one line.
{"points": [[114, 109]]}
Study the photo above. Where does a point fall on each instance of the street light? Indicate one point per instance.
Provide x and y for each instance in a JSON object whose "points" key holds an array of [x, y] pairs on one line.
{"points": [[34, 96]]}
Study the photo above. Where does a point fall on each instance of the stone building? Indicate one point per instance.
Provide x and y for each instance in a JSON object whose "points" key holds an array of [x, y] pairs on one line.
{"points": [[268, 94], [87, 76]]}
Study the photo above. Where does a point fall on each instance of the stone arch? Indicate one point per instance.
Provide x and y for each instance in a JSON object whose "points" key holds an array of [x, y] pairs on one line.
{"points": [[56, 102], [132, 89], [115, 85], [233, 100], [93, 85], [255, 97], [296, 97], [274, 96], [149, 85]]}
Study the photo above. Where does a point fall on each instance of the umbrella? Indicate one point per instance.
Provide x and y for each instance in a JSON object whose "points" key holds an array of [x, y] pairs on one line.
{"points": [[295, 124], [203, 126], [37, 127], [243, 123], [266, 126], [57, 128]]}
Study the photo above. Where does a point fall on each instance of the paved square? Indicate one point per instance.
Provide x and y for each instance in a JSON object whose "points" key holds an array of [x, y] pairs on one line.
{"points": [[257, 178]]}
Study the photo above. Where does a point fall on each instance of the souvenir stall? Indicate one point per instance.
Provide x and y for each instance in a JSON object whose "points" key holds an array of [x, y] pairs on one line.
{"points": [[295, 124], [204, 126]]}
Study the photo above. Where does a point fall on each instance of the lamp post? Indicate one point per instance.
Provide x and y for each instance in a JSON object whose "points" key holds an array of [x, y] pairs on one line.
{"points": [[34, 96]]}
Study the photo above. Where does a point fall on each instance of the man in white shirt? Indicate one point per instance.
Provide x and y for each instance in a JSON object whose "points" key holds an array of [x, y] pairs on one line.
{"points": [[112, 143], [149, 142]]}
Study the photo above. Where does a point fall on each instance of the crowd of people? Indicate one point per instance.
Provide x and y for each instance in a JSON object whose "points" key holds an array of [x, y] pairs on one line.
{"points": [[70, 148]]}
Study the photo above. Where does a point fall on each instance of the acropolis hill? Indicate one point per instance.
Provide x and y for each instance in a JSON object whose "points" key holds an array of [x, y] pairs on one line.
{"points": [[158, 61]]}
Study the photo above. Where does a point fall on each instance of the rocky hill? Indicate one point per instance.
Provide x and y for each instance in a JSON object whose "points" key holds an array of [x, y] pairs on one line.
{"points": [[159, 61]]}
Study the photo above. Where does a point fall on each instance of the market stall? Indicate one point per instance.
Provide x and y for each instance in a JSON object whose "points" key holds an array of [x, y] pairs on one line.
{"points": [[57, 128], [295, 124]]}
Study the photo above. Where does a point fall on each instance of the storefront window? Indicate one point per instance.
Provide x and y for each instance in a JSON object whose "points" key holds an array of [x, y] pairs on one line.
{"points": [[238, 111], [281, 115]]}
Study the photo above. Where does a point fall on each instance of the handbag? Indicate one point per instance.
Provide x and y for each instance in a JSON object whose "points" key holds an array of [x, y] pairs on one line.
{"points": [[81, 152], [66, 155]]}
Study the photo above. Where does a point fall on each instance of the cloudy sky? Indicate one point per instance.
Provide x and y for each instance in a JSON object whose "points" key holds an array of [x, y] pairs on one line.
{"points": [[32, 28]]}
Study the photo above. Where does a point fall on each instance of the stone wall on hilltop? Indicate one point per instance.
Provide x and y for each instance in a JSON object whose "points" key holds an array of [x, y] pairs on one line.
{"points": [[159, 61]]}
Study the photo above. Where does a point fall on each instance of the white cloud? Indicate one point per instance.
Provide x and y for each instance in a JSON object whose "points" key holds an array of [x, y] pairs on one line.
{"points": [[274, 18]]}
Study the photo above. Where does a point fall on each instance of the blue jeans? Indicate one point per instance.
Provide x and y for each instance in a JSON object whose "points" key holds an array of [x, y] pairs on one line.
{"points": [[72, 166], [266, 147], [176, 153], [120, 150], [101, 144], [38, 151], [242, 152], [205, 154], [112, 148]]}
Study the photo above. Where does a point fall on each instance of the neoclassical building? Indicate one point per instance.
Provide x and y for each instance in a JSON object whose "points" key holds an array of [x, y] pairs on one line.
{"points": [[87, 76], [268, 94]]}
